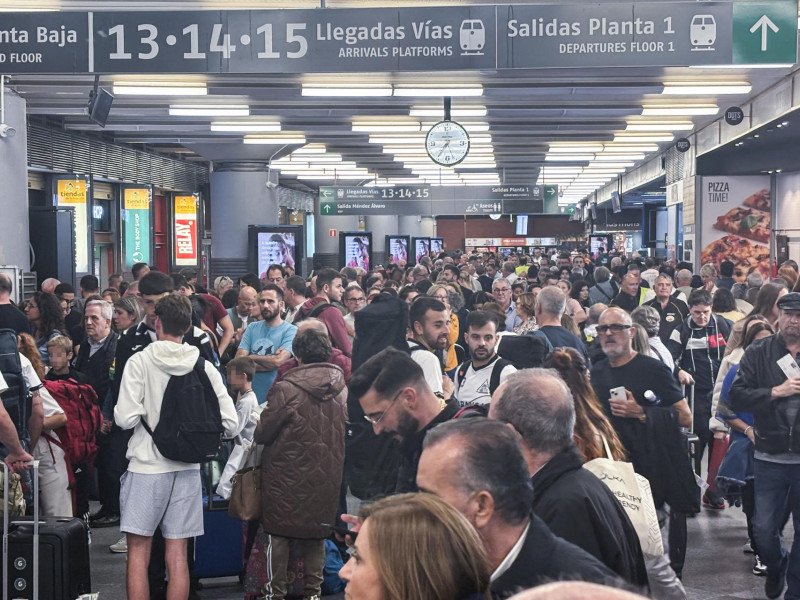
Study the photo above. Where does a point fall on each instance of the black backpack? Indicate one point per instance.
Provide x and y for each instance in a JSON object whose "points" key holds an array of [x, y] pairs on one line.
{"points": [[16, 399], [190, 425], [525, 351]]}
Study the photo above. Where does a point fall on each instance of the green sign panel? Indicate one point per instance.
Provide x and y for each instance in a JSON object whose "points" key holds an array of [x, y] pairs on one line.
{"points": [[136, 202], [764, 32]]}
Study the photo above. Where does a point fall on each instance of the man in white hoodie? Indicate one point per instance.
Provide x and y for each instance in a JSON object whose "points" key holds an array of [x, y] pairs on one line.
{"points": [[157, 492]]}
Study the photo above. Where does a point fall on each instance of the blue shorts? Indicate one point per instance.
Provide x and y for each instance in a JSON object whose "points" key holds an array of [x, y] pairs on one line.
{"points": [[170, 501]]}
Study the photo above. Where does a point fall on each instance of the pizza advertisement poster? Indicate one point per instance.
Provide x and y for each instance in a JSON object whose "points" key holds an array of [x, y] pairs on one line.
{"points": [[736, 223]]}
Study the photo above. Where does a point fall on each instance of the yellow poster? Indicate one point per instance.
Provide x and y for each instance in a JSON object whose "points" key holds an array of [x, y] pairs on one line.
{"points": [[137, 199], [185, 205], [72, 193]]}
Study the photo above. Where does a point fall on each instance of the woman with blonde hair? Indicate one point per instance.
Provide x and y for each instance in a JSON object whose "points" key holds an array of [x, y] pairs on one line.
{"points": [[591, 423], [524, 307], [416, 547]]}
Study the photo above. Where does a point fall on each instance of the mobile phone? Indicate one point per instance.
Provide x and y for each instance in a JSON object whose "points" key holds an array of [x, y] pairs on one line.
{"points": [[618, 393], [343, 531]]}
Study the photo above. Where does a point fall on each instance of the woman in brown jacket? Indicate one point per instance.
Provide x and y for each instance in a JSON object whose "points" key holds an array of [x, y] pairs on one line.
{"points": [[303, 432]]}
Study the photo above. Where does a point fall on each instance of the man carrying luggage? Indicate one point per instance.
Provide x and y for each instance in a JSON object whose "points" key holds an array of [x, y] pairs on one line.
{"points": [[158, 492]]}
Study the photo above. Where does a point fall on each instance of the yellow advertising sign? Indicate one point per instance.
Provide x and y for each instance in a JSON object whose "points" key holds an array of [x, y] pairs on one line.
{"points": [[137, 199], [185, 205], [72, 191]]}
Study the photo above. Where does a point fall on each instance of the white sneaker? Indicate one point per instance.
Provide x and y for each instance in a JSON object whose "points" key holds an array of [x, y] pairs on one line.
{"points": [[120, 546]]}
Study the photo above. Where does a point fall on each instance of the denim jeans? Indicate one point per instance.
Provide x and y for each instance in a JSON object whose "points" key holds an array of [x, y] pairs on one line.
{"points": [[776, 485]]}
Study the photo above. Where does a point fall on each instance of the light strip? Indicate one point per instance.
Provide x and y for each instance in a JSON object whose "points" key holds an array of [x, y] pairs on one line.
{"points": [[311, 89], [660, 126], [678, 110], [245, 127], [688, 88], [568, 157], [662, 137], [453, 92], [209, 110], [387, 127], [158, 88], [455, 112]]}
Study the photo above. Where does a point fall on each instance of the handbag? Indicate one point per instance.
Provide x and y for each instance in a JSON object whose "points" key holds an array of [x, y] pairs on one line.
{"points": [[245, 500], [633, 493]]}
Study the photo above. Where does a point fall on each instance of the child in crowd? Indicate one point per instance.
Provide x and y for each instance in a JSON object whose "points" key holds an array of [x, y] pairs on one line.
{"points": [[60, 349], [240, 373]]}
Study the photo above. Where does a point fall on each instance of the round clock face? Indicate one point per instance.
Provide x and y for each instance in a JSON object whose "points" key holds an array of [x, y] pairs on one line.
{"points": [[447, 143]]}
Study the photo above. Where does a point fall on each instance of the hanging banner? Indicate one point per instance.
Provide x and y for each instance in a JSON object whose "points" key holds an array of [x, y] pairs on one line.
{"points": [[735, 224], [136, 215], [185, 231], [71, 193]]}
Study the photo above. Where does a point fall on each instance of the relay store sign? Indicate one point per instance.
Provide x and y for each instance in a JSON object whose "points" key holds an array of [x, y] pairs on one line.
{"points": [[136, 214], [401, 39], [185, 231], [425, 200]]}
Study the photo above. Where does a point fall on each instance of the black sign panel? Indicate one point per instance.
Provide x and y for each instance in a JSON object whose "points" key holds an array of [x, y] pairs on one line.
{"points": [[44, 43], [629, 219], [734, 115]]}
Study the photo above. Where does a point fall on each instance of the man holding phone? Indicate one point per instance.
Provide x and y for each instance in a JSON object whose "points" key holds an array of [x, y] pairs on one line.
{"points": [[635, 390]]}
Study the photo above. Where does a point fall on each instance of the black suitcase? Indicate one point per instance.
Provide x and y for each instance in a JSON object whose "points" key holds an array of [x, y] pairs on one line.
{"points": [[690, 439], [62, 571]]}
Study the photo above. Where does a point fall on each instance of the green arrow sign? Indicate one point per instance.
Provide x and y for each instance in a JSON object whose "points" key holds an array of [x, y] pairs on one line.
{"points": [[327, 207], [764, 32]]}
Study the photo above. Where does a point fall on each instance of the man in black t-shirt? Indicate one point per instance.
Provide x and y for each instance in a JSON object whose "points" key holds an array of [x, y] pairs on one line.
{"points": [[639, 374], [10, 316]]}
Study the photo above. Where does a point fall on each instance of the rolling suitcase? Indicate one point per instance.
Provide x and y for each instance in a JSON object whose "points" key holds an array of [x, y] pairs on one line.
{"points": [[690, 439], [44, 558]]}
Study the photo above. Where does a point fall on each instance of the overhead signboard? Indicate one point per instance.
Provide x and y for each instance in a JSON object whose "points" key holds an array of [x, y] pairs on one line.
{"points": [[629, 219], [401, 39], [425, 200]]}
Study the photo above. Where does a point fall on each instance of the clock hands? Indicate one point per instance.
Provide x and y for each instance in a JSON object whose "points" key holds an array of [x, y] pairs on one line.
{"points": [[445, 147]]}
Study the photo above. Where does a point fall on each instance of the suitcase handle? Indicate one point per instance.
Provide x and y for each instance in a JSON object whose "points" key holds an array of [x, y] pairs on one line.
{"points": [[35, 465], [691, 402]]}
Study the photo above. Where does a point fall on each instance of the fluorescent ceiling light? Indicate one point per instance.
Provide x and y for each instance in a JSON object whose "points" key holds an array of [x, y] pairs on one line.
{"points": [[743, 67], [679, 110], [616, 156], [308, 158], [479, 111], [575, 149], [453, 92], [332, 176], [568, 157], [243, 126], [660, 137], [614, 165], [286, 138], [209, 110], [311, 89], [379, 126], [159, 88], [660, 126], [624, 147], [689, 88], [477, 127], [406, 140]]}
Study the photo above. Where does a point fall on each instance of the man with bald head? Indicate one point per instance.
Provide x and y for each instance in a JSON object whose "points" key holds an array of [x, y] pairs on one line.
{"points": [[646, 409], [338, 358], [49, 285], [573, 502], [10, 316], [245, 312]]}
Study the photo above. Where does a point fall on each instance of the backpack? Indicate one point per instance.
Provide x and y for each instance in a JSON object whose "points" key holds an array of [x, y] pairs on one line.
{"points": [[79, 403], [16, 399], [494, 379], [525, 351], [189, 427], [313, 314]]}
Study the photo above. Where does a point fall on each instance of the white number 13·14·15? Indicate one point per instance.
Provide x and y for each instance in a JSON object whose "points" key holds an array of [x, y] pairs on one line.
{"points": [[218, 43]]}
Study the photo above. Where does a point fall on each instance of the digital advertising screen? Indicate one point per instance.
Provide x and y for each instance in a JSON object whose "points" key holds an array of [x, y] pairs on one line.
{"points": [[437, 245], [355, 249], [422, 247], [598, 241], [275, 245], [397, 248]]}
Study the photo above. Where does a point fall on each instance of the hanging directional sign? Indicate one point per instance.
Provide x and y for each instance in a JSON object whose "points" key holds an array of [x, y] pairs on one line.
{"points": [[359, 40]]}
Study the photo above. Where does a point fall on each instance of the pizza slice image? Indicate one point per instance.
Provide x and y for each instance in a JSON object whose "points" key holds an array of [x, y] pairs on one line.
{"points": [[759, 200], [744, 254], [746, 222]]}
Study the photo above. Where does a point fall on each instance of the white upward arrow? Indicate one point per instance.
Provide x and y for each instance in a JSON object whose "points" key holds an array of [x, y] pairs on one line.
{"points": [[763, 23]]}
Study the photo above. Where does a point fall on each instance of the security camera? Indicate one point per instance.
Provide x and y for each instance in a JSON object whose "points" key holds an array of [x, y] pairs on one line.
{"points": [[7, 131]]}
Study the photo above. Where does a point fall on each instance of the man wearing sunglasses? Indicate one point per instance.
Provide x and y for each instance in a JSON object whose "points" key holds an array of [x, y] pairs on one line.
{"points": [[396, 400], [646, 427]]}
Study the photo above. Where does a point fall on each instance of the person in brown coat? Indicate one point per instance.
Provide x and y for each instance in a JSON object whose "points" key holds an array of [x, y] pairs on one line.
{"points": [[303, 432]]}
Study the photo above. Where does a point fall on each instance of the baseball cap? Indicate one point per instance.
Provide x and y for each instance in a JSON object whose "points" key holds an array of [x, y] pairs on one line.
{"points": [[790, 301]]}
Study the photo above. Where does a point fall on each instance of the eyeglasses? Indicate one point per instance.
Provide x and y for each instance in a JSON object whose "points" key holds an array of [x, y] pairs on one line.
{"points": [[375, 421], [502, 290], [359, 299], [614, 328]]}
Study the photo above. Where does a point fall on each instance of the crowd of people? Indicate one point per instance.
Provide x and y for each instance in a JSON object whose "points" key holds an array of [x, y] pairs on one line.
{"points": [[444, 409]]}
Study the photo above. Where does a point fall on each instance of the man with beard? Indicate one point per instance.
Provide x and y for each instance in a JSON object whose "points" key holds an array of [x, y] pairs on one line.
{"points": [[430, 328], [478, 378], [392, 390], [267, 342], [768, 385]]}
